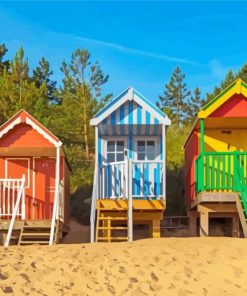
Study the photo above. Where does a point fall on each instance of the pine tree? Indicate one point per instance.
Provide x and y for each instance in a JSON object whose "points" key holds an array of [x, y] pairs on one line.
{"points": [[17, 90], [175, 96], [81, 97], [3, 64], [42, 74], [229, 78], [194, 105]]}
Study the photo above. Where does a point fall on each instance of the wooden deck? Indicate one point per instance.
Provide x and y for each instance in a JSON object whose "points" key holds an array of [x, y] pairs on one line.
{"points": [[112, 218]]}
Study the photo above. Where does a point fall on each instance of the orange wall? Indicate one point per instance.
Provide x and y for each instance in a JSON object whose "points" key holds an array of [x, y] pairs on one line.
{"points": [[23, 135], [43, 199]]}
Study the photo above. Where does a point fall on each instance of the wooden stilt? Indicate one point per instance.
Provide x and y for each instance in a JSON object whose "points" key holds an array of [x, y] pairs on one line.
{"points": [[235, 226], [203, 223], [156, 228], [193, 225]]}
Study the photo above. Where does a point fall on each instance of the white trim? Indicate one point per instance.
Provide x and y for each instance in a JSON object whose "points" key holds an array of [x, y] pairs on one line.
{"points": [[163, 120], [34, 189], [130, 95], [56, 197], [164, 159], [97, 120], [28, 169], [43, 133], [114, 139], [10, 126]]}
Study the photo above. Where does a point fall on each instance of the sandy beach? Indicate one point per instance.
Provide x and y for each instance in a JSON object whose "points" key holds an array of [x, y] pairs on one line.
{"points": [[167, 266]]}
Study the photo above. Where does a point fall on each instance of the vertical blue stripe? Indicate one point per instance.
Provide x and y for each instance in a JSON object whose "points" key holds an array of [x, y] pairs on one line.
{"points": [[137, 187], [99, 151], [161, 148], [155, 182], [122, 119], [113, 122], [146, 180], [109, 181], [156, 121], [147, 123], [130, 121], [156, 126], [160, 180], [139, 119], [104, 122]]}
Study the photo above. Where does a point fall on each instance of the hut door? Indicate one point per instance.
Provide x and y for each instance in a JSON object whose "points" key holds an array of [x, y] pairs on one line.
{"points": [[44, 170]]}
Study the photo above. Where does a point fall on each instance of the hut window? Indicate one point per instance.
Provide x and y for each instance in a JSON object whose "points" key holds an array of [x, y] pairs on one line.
{"points": [[145, 150], [115, 151]]}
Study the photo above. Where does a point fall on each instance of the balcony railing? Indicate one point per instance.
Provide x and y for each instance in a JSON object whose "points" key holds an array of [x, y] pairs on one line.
{"points": [[220, 171], [146, 181]]}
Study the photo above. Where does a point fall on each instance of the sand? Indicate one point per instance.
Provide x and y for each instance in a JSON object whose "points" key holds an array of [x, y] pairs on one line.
{"points": [[167, 266]]}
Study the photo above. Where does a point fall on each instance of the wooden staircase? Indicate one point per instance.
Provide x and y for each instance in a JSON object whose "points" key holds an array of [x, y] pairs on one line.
{"points": [[30, 232], [112, 226], [242, 216]]}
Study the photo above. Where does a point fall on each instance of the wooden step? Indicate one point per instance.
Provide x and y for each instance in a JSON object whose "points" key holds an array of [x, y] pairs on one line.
{"points": [[113, 228], [31, 234], [114, 218], [29, 242], [36, 227], [112, 238]]}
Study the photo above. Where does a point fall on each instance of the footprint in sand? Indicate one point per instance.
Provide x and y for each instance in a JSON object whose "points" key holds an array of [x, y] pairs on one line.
{"points": [[4, 276], [154, 277], [122, 269], [25, 277], [7, 290], [133, 280]]}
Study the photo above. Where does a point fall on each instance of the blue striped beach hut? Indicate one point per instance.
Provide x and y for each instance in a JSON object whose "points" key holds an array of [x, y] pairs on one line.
{"points": [[130, 171]]}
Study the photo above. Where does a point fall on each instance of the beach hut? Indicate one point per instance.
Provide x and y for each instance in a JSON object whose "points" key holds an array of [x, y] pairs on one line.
{"points": [[34, 182], [216, 161], [130, 172]]}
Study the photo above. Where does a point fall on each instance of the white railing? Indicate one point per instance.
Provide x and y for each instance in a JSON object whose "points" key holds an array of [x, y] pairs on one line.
{"points": [[58, 211], [112, 180], [147, 179], [9, 189], [19, 206]]}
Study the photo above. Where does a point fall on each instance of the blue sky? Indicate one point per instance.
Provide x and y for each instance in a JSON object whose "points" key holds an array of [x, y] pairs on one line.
{"points": [[137, 43]]}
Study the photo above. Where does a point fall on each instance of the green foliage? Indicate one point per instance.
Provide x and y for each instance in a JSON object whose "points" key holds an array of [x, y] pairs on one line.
{"points": [[175, 97], [42, 75], [193, 106], [65, 111], [3, 64], [175, 139]]}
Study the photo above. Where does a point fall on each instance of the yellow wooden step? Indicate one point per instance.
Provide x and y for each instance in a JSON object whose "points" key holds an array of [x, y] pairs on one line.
{"points": [[35, 234], [113, 228], [113, 218], [112, 238], [34, 242]]}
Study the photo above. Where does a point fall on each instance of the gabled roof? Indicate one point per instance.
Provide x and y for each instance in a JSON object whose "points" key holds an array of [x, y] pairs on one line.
{"points": [[24, 117], [130, 94], [236, 87]]}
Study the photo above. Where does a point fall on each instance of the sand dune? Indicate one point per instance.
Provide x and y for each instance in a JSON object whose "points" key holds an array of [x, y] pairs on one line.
{"points": [[168, 266]]}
